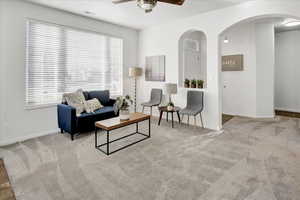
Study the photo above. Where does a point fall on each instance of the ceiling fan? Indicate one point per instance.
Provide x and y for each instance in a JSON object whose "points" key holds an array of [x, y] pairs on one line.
{"points": [[148, 5]]}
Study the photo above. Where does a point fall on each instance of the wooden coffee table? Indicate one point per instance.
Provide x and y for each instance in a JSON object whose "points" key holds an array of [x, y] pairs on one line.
{"points": [[115, 123]]}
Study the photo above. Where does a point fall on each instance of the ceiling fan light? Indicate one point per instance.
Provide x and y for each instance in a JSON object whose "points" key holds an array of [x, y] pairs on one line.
{"points": [[147, 5]]}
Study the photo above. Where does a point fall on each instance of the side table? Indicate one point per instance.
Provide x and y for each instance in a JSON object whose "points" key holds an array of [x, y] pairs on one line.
{"points": [[163, 109]]}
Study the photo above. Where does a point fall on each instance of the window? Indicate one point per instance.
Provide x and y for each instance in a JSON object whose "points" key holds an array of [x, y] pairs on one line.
{"points": [[61, 59]]}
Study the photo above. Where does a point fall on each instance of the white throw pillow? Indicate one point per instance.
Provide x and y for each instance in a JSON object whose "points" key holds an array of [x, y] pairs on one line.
{"points": [[92, 105], [76, 100]]}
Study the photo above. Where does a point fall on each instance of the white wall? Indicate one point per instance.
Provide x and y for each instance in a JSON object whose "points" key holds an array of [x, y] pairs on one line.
{"points": [[240, 85], [265, 61], [17, 123], [252, 88], [160, 40], [287, 71], [1, 72], [163, 40]]}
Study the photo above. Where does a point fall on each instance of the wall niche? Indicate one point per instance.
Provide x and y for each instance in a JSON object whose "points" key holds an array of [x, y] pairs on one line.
{"points": [[193, 59]]}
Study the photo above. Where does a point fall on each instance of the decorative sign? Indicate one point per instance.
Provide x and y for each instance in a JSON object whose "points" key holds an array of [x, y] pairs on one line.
{"points": [[233, 63], [155, 68]]}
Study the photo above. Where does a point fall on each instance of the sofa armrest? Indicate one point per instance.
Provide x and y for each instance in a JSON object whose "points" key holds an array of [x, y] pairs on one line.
{"points": [[66, 116], [111, 102]]}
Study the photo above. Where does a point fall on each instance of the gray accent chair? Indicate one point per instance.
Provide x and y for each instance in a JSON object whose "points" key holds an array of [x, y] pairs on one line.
{"points": [[194, 105], [155, 99]]}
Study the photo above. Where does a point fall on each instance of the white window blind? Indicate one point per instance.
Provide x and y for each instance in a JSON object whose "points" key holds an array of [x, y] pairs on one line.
{"points": [[61, 59]]}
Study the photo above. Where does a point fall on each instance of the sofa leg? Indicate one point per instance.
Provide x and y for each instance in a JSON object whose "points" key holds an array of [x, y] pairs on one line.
{"points": [[72, 137], [61, 130]]}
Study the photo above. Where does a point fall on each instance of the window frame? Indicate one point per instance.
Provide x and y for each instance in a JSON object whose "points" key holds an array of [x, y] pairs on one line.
{"points": [[27, 24]]}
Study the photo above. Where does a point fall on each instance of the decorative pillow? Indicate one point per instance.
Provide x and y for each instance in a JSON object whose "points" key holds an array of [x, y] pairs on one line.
{"points": [[76, 100], [92, 105]]}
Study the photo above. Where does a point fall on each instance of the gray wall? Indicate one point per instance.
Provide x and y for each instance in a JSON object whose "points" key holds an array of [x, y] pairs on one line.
{"points": [[16, 122]]}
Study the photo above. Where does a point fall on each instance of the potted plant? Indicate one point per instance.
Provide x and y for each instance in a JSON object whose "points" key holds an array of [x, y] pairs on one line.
{"points": [[170, 106], [123, 104], [200, 83], [186, 83], [193, 83]]}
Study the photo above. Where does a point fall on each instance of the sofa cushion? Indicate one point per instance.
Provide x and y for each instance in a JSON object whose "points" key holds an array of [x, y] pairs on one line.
{"points": [[101, 111], [86, 95], [92, 105], [101, 95]]}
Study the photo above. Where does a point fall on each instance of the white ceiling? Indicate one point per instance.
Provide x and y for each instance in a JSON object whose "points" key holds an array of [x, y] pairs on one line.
{"points": [[128, 14]]}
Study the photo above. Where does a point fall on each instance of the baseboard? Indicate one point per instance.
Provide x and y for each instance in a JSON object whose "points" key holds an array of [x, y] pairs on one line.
{"points": [[27, 137], [265, 117], [252, 116], [236, 115]]}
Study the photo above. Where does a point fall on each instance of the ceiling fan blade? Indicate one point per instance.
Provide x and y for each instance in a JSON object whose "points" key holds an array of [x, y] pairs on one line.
{"points": [[121, 1], [176, 2]]}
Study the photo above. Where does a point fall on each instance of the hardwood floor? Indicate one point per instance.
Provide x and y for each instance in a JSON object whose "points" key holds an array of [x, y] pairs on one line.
{"points": [[226, 118], [6, 192], [287, 113]]}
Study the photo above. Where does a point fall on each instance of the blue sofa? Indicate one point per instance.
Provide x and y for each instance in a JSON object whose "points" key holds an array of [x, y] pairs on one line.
{"points": [[69, 122]]}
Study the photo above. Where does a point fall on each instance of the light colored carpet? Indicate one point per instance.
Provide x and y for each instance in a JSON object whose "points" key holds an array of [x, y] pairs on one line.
{"points": [[251, 160]]}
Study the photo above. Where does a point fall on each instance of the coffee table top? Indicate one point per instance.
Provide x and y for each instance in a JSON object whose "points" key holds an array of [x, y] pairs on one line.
{"points": [[113, 123], [165, 109]]}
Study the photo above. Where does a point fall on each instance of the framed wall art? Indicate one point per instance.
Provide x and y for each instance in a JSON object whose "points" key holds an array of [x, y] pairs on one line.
{"points": [[155, 68], [233, 63]]}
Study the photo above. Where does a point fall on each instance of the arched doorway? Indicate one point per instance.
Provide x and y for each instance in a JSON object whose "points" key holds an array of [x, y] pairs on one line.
{"points": [[253, 85]]}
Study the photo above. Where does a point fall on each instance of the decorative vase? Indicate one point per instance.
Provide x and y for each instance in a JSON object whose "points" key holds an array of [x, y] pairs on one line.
{"points": [[193, 86], [169, 108], [124, 115], [186, 85]]}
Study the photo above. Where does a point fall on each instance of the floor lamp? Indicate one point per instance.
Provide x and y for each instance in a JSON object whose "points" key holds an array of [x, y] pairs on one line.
{"points": [[135, 72]]}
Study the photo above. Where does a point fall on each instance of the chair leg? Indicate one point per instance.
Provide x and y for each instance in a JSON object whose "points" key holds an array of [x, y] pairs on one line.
{"points": [[72, 136], [201, 120], [151, 111], [195, 121], [61, 130], [188, 121], [182, 117], [143, 109]]}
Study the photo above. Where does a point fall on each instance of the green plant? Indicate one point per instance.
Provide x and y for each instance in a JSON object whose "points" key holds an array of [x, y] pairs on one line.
{"points": [[194, 82], [123, 103], [171, 104], [200, 83], [186, 81]]}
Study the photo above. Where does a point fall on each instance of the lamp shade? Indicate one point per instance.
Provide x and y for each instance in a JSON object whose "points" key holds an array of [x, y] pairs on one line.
{"points": [[171, 88], [135, 71]]}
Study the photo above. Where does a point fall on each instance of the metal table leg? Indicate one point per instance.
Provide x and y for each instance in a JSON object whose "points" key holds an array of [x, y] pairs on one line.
{"points": [[107, 141]]}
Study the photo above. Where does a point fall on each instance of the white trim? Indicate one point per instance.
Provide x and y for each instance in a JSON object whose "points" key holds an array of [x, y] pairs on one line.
{"points": [[265, 117], [251, 116], [27, 137]]}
